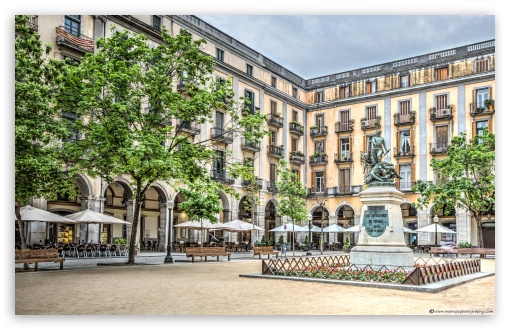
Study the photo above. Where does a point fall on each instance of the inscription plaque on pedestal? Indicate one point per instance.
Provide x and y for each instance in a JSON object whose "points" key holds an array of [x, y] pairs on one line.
{"points": [[375, 220]]}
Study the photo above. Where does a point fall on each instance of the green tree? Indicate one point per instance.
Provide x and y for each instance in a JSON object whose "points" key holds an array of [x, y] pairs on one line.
{"points": [[201, 201], [39, 170], [134, 122], [292, 195], [466, 178]]}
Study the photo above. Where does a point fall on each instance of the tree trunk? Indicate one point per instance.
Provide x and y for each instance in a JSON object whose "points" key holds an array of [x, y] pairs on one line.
{"points": [[321, 239], [134, 227], [479, 230]]}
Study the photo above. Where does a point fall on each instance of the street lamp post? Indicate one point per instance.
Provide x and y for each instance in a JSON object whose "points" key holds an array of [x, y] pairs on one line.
{"points": [[436, 220], [309, 252], [169, 259]]}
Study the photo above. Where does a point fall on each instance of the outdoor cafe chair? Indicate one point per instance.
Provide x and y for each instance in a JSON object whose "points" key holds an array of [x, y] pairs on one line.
{"points": [[80, 250], [89, 250], [123, 250], [113, 249], [103, 250]]}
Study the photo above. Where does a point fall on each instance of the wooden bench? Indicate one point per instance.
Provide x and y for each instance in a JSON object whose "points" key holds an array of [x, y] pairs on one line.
{"points": [[483, 252], [211, 251], [36, 256], [260, 250]]}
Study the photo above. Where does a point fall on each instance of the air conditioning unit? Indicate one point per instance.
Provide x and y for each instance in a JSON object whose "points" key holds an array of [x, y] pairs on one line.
{"points": [[365, 123], [445, 112]]}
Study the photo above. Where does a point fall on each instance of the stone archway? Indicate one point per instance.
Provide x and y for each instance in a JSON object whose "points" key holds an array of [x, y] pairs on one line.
{"points": [[118, 202], [154, 218], [345, 218]]}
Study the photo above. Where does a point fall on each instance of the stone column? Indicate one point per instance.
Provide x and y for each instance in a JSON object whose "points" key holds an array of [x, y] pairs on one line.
{"points": [[424, 220], [463, 221], [162, 226], [129, 218], [331, 236]]}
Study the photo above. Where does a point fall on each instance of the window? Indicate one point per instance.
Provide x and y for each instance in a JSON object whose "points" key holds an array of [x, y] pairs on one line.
{"points": [[219, 120], [405, 81], [219, 162], [405, 141], [372, 112], [273, 82], [249, 70], [272, 172], [441, 74], [73, 133], [344, 180], [480, 125], [442, 137], [273, 108], [297, 173], [405, 173], [344, 92], [319, 96], [482, 65], [345, 116], [319, 147], [72, 24], [319, 181], [294, 144], [319, 120], [273, 138], [442, 104], [369, 143], [220, 54], [345, 148], [294, 116], [481, 96], [405, 107], [371, 87], [156, 22], [294, 92], [250, 101]]}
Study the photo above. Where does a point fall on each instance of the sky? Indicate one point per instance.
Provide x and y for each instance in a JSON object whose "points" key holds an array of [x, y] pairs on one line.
{"points": [[317, 45]]}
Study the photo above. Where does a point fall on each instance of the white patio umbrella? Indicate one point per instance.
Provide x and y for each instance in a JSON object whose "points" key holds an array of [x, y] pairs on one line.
{"points": [[288, 228], [240, 225], [200, 225], [433, 229], [333, 229], [30, 213], [355, 229], [88, 216]]}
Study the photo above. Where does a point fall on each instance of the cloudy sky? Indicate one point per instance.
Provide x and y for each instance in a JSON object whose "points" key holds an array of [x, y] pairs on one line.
{"points": [[317, 45]]}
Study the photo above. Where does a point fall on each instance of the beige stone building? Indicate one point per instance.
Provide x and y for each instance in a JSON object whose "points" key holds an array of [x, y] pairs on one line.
{"points": [[322, 126]]}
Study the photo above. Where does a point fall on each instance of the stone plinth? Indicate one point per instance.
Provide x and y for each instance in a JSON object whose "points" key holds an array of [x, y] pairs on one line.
{"points": [[381, 239]]}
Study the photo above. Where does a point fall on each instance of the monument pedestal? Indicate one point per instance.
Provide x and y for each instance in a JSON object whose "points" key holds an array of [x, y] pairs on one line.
{"points": [[381, 238]]}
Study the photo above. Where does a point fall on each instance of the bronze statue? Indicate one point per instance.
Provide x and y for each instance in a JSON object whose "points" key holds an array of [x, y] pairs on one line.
{"points": [[379, 171]]}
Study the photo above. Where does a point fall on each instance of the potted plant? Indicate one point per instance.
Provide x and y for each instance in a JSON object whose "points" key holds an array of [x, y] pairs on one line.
{"points": [[137, 248], [270, 242], [280, 243], [347, 245], [489, 104], [120, 240], [263, 241], [305, 243]]}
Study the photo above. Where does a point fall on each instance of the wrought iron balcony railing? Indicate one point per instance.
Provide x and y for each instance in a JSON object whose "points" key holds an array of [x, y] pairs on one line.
{"points": [[439, 148], [275, 151], [297, 157], [370, 123], [343, 127], [250, 145], [404, 119], [343, 157], [296, 128], [258, 183], [316, 131], [403, 152], [481, 108], [442, 113], [319, 159], [187, 127], [271, 186], [275, 120], [222, 176], [222, 135]]}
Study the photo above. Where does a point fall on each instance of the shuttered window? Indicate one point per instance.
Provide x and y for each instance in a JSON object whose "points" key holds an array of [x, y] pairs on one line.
{"points": [[371, 87], [345, 116], [273, 107], [482, 65], [344, 180], [405, 107], [344, 92], [442, 101], [441, 74], [442, 136], [404, 81], [272, 172], [371, 112]]}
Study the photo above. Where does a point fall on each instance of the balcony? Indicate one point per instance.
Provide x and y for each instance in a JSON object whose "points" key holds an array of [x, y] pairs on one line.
{"points": [[296, 128], [297, 157], [344, 190], [250, 109], [478, 109], [441, 114], [344, 157], [79, 43], [318, 159], [404, 185], [344, 127], [406, 119], [271, 186], [314, 192], [275, 120], [401, 152], [222, 176], [250, 145], [33, 22], [318, 131], [246, 183], [187, 127], [275, 151], [438, 148], [222, 135], [370, 123]]}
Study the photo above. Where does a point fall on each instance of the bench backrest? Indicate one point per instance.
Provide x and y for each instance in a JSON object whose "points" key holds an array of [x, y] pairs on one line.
{"points": [[35, 254], [262, 249], [208, 249]]}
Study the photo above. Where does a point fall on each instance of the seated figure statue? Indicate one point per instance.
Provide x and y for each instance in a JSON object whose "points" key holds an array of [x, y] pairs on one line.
{"points": [[382, 172]]}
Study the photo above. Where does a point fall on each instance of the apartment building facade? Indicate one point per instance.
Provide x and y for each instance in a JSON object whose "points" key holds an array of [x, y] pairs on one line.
{"points": [[322, 126]]}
